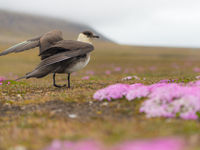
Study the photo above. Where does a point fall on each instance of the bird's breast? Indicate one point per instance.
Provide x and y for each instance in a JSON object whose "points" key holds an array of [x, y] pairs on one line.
{"points": [[78, 64]]}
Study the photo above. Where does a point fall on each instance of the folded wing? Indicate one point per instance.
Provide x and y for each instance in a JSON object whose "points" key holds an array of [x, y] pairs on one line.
{"points": [[68, 49]]}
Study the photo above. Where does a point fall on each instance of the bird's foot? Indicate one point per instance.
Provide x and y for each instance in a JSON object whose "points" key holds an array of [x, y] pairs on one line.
{"points": [[60, 86]]}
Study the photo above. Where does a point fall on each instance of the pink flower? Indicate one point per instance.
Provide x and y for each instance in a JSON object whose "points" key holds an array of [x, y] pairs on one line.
{"points": [[196, 83], [197, 77], [115, 91], [155, 144], [164, 81], [168, 100], [86, 78], [167, 92], [196, 69], [108, 72], [117, 69], [126, 70], [90, 72], [152, 144], [137, 91], [162, 99], [2, 79]]}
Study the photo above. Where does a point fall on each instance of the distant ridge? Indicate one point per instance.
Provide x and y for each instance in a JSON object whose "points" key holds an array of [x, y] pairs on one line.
{"points": [[13, 24]]}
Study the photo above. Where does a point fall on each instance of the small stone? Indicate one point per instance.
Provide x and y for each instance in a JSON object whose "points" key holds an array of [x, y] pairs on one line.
{"points": [[7, 105], [136, 77], [19, 96], [53, 112], [90, 102], [105, 104], [72, 116], [127, 78], [19, 147], [23, 107]]}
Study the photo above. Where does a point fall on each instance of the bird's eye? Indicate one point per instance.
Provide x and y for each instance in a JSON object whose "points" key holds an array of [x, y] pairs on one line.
{"points": [[87, 33]]}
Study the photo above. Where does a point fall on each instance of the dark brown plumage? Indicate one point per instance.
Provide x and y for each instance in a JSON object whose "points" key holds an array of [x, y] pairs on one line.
{"points": [[57, 55]]}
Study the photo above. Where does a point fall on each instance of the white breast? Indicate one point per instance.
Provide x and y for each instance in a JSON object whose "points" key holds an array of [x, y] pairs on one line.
{"points": [[79, 65]]}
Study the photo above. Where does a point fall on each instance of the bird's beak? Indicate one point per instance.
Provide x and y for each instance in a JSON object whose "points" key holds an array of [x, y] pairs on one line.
{"points": [[96, 36]]}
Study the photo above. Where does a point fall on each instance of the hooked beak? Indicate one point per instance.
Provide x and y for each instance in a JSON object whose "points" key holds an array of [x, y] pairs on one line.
{"points": [[95, 36]]}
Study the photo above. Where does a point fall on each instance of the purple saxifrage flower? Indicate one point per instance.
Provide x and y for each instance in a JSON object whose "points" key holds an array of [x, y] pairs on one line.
{"points": [[115, 91], [137, 91], [155, 144], [90, 72], [86, 78], [171, 143], [196, 69], [117, 69], [108, 72], [171, 100], [162, 99], [2, 79]]}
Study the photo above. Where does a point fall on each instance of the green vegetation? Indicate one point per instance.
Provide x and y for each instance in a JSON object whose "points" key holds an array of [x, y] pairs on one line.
{"points": [[33, 112]]}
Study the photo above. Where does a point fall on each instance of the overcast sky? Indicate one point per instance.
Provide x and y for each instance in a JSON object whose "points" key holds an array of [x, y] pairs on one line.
{"points": [[137, 22]]}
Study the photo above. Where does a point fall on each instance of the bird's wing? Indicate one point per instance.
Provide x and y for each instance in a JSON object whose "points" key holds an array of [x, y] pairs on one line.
{"points": [[78, 49], [44, 42], [63, 46], [29, 44]]}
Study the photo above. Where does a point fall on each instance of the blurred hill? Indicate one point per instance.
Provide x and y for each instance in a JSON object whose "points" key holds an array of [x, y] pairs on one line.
{"points": [[16, 26]]}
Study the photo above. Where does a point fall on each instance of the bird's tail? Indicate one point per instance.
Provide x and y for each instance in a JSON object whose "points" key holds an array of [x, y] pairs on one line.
{"points": [[37, 73]]}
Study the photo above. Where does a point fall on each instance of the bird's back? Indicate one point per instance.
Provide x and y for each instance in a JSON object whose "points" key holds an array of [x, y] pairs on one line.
{"points": [[49, 39]]}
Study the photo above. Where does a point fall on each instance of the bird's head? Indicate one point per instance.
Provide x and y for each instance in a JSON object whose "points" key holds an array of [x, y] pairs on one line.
{"points": [[87, 36]]}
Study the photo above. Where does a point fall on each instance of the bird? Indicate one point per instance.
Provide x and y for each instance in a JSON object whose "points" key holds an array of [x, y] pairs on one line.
{"points": [[57, 55]]}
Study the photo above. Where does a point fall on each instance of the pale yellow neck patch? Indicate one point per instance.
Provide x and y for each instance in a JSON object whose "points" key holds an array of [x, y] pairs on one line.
{"points": [[84, 38]]}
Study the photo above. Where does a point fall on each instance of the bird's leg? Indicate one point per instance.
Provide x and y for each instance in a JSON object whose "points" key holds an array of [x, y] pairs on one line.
{"points": [[54, 82], [68, 80]]}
